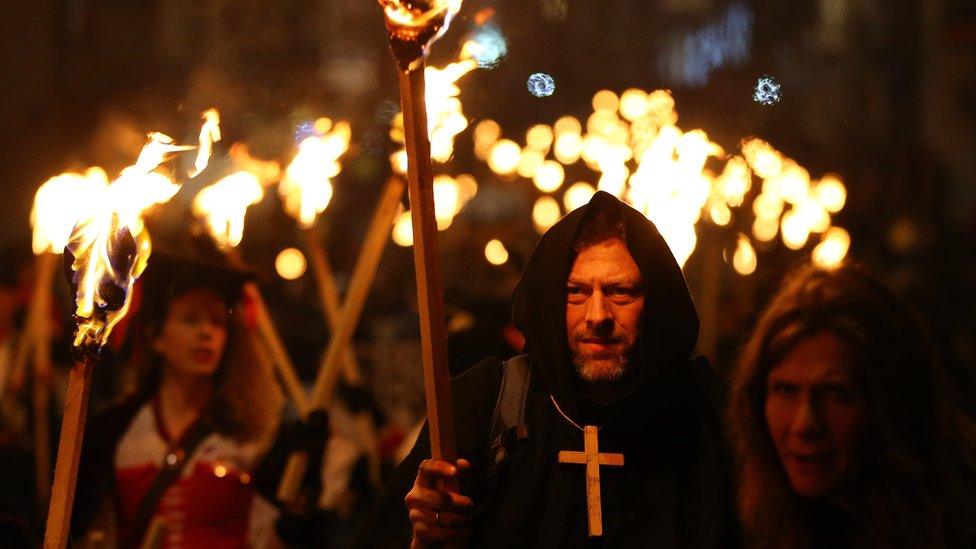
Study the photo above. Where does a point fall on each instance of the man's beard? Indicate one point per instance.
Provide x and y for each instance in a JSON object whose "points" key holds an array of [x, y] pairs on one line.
{"points": [[600, 367], [604, 366]]}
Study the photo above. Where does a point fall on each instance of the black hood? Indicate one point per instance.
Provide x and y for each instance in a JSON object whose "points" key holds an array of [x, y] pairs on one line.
{"points": [[669, 328]]}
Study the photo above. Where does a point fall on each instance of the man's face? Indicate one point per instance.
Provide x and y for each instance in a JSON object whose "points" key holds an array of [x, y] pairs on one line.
{"points": [[604, 304]]}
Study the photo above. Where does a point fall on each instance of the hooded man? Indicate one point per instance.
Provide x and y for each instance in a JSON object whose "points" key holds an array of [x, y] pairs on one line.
{"points": [[609, 327]]}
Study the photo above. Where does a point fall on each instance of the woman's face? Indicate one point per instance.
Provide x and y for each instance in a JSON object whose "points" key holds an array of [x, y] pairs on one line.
{"points": [[815, 412], [191, 339]]}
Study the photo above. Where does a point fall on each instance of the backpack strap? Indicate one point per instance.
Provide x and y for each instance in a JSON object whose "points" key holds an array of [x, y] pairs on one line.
{"points": [[508, 426]]}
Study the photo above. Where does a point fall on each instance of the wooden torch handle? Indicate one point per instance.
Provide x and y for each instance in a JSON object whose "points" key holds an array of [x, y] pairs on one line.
{"points": [[329, 300], [69, 454], [362, 279], [430, 294]]}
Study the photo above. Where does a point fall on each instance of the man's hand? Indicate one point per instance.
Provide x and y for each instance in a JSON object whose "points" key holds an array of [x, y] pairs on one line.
{"points": [[438, 515]]}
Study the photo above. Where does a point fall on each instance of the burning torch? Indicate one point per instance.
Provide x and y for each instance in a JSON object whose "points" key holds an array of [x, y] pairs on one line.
{"points": [[413, 25]]}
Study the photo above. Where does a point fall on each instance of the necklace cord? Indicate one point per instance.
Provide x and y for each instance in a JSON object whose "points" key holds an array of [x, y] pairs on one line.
{"points": [[560, 410]]}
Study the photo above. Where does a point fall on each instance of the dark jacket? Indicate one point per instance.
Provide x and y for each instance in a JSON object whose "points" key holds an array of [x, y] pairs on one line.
{"points": [[675, 489]]}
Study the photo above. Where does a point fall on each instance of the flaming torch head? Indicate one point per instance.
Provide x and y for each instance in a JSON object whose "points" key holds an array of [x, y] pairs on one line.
{"points": [[109, 246], [414, 25], [101, 280]]}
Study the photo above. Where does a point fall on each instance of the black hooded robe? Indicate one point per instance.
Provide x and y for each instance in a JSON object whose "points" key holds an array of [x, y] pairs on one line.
{"points": [[675, 489]]}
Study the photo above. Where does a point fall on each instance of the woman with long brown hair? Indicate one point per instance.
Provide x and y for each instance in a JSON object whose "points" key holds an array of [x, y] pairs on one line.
{"points": [[845, 431], [180, 452]]}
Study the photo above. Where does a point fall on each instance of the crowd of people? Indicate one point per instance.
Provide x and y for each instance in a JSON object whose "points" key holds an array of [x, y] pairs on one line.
{"points": [[836, 428]]}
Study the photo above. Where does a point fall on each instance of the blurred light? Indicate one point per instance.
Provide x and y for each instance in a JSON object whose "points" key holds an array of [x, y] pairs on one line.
{"points": [[220, 471], [633, 104], [793, 183], [549, 176], [693, 54], [614, 179], [495, 252], [539, 137], [398, 162], [594, 148], [766, 91], [568, 148], [605, 100], [467, 187], [486, 133], [744, 260], [735, 181], [578, 195], [545, 213], [529, 163], [304, 130], [720, 214], [765, 229], [403, 230], [602, 122], [832, 249], [831, 193], [541, 84], [795, 231], [814, 216], [290, 264], [767, 206], [763, 158], [504, 157], [488, 47], [447, 200], [567, 124]]}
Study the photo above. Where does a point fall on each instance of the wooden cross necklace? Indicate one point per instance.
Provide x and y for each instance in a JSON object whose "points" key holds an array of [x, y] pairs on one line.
{"points": [[593, 459]]}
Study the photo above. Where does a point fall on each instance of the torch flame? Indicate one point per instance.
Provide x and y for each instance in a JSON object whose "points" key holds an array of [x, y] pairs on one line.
{"points": [[222, 206], [209, 134], [445, 115], [267, 171], [109, 245], [59, 203], [416, 24], [307, 185]]}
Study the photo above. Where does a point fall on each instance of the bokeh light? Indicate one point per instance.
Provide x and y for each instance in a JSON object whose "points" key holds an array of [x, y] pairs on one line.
{"points": [[290, 264]]}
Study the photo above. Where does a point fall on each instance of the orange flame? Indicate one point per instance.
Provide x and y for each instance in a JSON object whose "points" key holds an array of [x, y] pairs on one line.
{"points": [[307, 185], [59, 203], [445, 114], [223, 205], [209, 134], [109, 245], [267, 171]]}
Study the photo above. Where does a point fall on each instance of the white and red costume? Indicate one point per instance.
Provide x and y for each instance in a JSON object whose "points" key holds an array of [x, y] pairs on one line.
{"points": [[212, 505]]}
